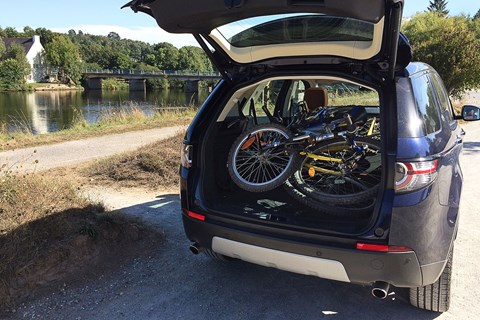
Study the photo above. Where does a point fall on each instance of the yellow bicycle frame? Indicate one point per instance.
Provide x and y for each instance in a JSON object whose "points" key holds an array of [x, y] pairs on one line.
{"points": [[321, 158], [330, 159]]}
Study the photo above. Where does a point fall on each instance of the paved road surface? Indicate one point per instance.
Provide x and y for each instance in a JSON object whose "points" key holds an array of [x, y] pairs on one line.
{"points": [[174, 284], [74, 152]]}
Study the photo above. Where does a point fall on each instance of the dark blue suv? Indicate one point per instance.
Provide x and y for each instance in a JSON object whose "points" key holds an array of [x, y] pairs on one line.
{"points": [[323, 151]]}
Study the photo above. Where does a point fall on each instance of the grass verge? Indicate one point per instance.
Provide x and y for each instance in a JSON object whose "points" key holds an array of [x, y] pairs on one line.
{"points": [[48, 232], [154, 166], [109, 123]]}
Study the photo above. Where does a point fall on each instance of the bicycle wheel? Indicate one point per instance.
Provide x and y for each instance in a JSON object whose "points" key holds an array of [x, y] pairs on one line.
{"points": [[344, 176], [258, 160], [357, 210]]}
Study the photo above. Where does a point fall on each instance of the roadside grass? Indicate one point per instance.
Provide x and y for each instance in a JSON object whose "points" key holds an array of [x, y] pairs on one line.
{"points": [[154, 166], [48, 231], [368, 98], [110, 122]]}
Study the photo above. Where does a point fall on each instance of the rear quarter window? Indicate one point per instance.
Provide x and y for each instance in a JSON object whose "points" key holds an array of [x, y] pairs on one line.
{"points": [[426, 105], [443, 99]]}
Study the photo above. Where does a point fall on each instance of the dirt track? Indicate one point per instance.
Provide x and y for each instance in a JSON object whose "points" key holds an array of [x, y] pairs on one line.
{"points": [[74, 152], [174, 284]]}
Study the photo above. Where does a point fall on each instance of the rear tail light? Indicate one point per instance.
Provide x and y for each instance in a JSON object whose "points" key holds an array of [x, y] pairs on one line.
{"points": [[411, 176], [196, 216], [382, 248], [186, 155]]}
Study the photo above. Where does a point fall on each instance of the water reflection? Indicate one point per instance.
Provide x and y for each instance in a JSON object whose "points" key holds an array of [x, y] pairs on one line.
{"points": [[48, 111]]}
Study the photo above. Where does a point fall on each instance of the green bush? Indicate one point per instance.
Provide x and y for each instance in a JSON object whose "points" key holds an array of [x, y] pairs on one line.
{"points": [[13, 74], [114, 84], [154, 84]]}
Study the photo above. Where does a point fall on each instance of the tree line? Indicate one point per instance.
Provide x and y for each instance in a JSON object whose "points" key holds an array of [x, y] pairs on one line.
{"points": [[74, 51], [451, 44]]}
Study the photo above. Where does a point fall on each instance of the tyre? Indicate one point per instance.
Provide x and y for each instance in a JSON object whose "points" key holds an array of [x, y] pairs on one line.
{"points": [[258, 160], [357, 211], [435, 296], [352, 177]]}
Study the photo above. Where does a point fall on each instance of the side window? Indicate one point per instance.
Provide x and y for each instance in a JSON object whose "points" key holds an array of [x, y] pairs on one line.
{"points": [[426, 104], [266, 94], [294, 95], [298, 91], [443, 99]]}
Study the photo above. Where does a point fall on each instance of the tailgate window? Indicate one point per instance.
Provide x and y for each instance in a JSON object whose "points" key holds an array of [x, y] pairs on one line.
{"points": [[280, 29]]}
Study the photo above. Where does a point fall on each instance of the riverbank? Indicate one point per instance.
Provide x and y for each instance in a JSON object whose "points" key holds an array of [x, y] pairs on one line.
{"points": [[53, 87], [110, 123], [37, 86]]}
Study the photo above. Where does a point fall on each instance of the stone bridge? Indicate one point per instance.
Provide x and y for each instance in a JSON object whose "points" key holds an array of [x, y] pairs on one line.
{"points": [[137, 78]]}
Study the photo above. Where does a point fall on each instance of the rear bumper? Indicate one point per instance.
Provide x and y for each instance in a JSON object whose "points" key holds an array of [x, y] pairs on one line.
{"points": [[349, 265]]}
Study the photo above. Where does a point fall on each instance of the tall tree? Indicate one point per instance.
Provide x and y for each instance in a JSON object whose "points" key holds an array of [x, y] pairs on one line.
{"points": [[28, 31], [477, 15], [15, 51], [193, 58], [46, 36], [449, 45], [166, 56], [11, 32], [439, 7], [113, 35], [63, 54], [14, 67]]}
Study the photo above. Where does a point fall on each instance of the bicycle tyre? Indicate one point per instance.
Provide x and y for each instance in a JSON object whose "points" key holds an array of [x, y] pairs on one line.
{"points": [[255, 164], [359, 185], [357, 211]]}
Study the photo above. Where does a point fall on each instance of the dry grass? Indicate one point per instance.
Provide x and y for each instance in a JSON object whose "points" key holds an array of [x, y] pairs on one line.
{"points": [[49, 232], [368, 98], [32, 218], [154, 166], [109, 123]]}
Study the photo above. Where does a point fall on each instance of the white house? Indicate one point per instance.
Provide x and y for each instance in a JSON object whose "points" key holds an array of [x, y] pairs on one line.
{"points": [[33, 52]]}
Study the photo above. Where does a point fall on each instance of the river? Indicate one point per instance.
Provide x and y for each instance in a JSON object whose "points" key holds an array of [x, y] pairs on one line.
{"points": [[48, 111]]}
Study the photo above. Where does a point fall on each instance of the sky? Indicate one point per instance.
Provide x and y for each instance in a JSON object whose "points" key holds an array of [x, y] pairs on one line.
{"points": [[103, 16]]}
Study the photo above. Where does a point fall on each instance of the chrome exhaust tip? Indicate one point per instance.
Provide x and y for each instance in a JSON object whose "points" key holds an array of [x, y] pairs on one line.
{"points": [[380, 289], [195, 248]]}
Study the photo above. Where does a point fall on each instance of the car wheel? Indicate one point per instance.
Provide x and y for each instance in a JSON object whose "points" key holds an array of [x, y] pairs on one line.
{"points": [[436, 296]]}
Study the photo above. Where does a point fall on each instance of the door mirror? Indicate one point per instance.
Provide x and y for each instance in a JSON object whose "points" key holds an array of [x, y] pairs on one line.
{"points": [[470, 113]]}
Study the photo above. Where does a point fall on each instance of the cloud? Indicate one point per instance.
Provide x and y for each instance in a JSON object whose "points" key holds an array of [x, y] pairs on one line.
{"points": [[151, 35]]}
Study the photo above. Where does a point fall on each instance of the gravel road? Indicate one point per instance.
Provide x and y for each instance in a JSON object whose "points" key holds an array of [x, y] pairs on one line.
{"points": [[74, 152], [174, 284]]}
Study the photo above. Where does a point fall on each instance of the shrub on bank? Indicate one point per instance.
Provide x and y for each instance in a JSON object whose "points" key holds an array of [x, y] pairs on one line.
{"points": [[12, 75], [114, 84]]}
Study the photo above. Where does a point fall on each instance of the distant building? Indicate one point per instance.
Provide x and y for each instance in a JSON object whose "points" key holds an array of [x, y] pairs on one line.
{"points": [[33, 52]]}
